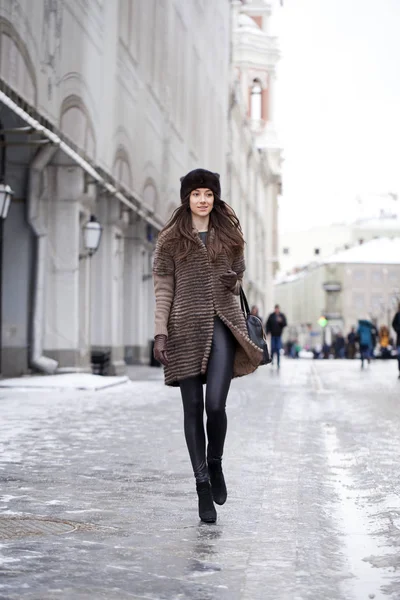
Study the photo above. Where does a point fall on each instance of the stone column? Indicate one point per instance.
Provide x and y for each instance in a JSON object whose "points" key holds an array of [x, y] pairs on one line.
{"points": [[137, 297], [107, 286], [65, 330]]}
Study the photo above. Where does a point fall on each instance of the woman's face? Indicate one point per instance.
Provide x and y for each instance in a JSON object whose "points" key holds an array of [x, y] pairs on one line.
{"points": [[201, 202]]}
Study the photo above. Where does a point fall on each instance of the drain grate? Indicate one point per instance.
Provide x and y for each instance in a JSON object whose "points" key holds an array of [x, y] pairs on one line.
{"points": [[16, 527]]}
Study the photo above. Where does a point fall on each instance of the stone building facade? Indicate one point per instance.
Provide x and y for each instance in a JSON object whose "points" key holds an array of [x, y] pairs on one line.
{"points": [[254, 159], [104, 105], [362, 282]]}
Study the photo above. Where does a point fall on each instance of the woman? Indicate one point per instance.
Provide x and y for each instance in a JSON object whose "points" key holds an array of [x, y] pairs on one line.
{"points": [[200, 331]]}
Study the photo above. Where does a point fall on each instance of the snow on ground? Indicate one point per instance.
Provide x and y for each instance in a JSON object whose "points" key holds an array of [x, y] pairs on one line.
{"points": [[67, 381]]}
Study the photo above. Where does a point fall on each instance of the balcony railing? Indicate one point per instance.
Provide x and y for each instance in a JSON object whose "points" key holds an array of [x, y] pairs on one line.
{"points": [[332, 316], [332, 286]]}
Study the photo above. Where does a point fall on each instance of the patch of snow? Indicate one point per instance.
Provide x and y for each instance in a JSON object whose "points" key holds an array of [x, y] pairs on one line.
{"points": [[67, 381], [381, 251]]}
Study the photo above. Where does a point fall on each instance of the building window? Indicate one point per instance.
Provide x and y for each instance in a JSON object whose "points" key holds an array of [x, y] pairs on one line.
{"points": [[377, 277], [377, 303], [359, 275], [332, 302], [256, 101], [286, 251], [316, 251], [194, 103], [359, 301], [129, 25], [178, 70], [156, 45]]}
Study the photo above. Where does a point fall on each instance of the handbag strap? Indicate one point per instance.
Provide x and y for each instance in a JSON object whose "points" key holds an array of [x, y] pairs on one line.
{"points": [[244, 305]]}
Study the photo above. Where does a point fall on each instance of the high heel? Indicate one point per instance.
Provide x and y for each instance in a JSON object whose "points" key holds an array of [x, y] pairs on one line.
{"points": [[207, 512]]}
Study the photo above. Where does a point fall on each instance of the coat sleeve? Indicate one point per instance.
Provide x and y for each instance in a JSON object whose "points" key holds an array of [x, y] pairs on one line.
{"points": [[163, 262], [164, 287], [239, 266]]}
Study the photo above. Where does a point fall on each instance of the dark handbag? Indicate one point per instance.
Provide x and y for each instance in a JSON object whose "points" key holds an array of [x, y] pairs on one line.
{"points": [[255, 329]]}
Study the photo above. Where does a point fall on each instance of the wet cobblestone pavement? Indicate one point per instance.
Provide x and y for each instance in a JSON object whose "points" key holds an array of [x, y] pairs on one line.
{"points": [[103, 481]]}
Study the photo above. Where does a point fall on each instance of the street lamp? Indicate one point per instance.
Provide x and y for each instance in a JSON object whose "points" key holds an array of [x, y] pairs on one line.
{"points": [[5, 199], [91, 236]]}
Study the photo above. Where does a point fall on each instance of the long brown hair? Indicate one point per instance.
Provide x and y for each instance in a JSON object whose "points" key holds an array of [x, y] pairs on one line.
{"points": [[228, 232]]}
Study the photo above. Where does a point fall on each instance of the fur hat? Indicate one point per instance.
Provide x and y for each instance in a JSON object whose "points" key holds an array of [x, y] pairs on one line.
{"points": [[200, 178]]}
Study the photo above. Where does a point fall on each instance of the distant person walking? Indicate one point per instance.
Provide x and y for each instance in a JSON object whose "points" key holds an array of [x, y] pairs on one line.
{"points": [[275, 325], [351, 343], [384, 341], [364, 333], [396, 327], [339, 346]]}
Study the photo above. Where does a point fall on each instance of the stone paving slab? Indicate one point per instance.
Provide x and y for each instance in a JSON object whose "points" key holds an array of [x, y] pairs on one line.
{"points": [[311, 465]]}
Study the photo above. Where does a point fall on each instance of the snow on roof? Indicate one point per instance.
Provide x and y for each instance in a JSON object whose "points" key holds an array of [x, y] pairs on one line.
{"points": [[390, 224], [381, 251]]}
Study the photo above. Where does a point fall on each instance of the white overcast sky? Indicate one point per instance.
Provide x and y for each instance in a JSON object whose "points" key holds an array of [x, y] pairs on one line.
{"points": [[337, 105]]}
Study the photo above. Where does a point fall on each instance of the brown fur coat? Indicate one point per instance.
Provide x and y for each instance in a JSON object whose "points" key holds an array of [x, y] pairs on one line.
{"points": [[193, 293]]}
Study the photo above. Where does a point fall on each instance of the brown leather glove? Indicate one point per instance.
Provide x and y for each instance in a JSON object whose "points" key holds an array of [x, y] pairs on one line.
{"points": [[160, 349], [229, 279]]}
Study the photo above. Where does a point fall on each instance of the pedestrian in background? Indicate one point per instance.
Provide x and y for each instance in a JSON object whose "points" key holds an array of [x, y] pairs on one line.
{"points": [[326, 350], [200, 330], [255, 311], [384, 341], [339, 346], [396, 327], [364, 333], [374, 338], [275, 325], [351, 343]]}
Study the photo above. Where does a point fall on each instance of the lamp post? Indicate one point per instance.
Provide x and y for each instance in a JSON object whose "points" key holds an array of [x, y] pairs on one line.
{"points": [[92, 231], [5, 200], [91, 237]]}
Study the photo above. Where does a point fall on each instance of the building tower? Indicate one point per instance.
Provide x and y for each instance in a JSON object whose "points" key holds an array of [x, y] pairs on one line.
{"points": [[255, 56]]}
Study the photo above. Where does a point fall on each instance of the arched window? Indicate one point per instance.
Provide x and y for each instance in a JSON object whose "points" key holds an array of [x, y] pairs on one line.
{"points": [[150, 196], [16, 66], [122, 169], [76, 123], [256, 101]]}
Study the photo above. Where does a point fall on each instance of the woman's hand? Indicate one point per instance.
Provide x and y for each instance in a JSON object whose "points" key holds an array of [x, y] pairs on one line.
{"points": [[229, 279], [160, 349]]}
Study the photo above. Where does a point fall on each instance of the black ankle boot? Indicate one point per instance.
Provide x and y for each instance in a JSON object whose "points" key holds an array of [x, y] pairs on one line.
{"points": [[217, 480], [207, 512]]}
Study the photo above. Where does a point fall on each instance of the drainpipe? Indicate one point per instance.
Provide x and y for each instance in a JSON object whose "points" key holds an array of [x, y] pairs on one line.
{"points": [[37, 360]]}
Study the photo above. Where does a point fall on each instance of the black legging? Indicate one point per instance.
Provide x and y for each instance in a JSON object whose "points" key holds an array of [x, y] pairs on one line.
{"points": [[219, 375]]}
